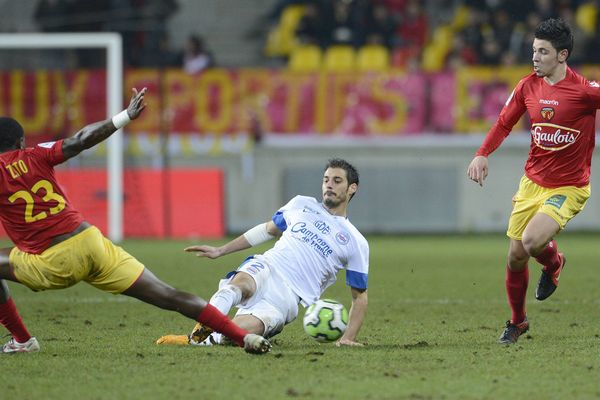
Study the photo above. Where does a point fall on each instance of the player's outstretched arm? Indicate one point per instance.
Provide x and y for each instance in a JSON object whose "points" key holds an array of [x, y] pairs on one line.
{"points": [[255, 236], [92, 134], [358, 310], [203, 250], [478, 169]]}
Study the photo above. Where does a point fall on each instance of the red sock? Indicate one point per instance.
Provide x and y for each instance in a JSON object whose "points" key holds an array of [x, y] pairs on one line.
{"points": [[549, 257], [214, 319], [10, 318], [516, 289]]}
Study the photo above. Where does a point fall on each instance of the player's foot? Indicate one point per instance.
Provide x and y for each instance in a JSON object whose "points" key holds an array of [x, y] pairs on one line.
{"points": [[177, 340], [513, 331], [215, 339], [549, 282], [12, 346], [209, 341], [256, 344], [199, 333]]}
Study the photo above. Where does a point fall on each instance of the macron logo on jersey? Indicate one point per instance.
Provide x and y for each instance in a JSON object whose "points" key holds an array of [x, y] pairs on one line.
{"points": [[309, 210], [594, 84], [549, 102]]}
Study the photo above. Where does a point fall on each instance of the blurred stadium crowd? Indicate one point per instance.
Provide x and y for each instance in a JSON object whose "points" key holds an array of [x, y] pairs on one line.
{"points": [[340, 35], [428, 35]]}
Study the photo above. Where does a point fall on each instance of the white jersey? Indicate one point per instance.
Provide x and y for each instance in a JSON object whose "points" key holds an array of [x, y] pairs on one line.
{"points": [[314, 247]]}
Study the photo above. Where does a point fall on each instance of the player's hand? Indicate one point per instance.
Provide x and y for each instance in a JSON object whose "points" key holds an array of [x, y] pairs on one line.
{"points": [[478, 169], [348, 342], [205, 251], [136, 104]]}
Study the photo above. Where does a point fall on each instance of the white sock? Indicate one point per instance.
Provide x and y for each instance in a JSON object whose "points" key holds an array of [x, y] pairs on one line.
{"points": [[213, 339], [216, 338], [226, 297]]}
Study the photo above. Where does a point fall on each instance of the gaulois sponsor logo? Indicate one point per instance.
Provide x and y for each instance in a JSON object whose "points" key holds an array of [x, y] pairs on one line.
{"points": [[547, 113], [553, 137]]}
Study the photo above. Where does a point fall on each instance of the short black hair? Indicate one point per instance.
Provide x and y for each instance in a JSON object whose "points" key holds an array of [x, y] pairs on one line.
{"points": [[557, 32], [351, 172], [10, 133]]}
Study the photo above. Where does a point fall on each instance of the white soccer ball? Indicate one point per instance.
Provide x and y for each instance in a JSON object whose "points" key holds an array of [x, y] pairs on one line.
{"points": [[325, 320]]}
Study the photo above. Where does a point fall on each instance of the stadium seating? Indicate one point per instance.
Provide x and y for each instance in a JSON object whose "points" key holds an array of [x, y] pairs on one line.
{"points": [[339, 58], [373, 58], [434, 54], [402, 55], [282, 38], [305, 58], [586, 17], [461, 17]]}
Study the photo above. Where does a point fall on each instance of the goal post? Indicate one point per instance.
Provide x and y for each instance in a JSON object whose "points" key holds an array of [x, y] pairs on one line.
{"points": [[113, 45]]}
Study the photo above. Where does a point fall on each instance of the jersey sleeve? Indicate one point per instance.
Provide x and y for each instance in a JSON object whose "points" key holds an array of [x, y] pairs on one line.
{"points": [[357, 269], [279, 217], [512, 111], [592, 90], [51, 152]]}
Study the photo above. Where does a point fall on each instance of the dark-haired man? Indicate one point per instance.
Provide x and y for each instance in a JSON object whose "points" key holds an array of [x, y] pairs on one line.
{"points": [[317, 241], [561, 106], [55, 247]]}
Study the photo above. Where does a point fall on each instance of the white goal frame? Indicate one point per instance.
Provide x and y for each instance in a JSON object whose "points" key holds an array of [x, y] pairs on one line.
{"points": [[112, 43]]}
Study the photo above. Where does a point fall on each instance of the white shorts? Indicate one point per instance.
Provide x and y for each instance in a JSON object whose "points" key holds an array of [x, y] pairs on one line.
{"points": [[274, 303]]}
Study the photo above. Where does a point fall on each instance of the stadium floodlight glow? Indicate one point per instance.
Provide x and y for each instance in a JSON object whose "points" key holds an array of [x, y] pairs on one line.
{"points": [[113, 45]]}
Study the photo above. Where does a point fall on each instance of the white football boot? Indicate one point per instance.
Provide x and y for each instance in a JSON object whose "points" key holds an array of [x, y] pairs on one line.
{"points": [[12, 346]]}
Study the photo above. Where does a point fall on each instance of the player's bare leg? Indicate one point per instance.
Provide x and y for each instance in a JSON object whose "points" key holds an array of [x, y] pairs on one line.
{"points": [[539, 231], [21, 341], [152, 290], [517, 256], [240, 288], [149, 289], [250, 323], [538, 242]]}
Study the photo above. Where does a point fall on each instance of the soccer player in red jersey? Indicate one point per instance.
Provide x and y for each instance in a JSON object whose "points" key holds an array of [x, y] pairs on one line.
{"points": [[55, 247], [561, 106]]}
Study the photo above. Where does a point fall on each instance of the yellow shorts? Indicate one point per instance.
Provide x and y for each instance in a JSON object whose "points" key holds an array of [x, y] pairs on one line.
{"points": [[87, 256], [561, 204]]}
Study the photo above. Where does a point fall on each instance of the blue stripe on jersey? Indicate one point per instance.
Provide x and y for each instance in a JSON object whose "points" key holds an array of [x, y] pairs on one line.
{"points": [[357, 280], [279, 221]]}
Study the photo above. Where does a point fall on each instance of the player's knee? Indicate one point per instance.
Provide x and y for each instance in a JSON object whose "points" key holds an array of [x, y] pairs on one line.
{"points": [[517, 261], [244, 284], [251, 324], [533, 245]]}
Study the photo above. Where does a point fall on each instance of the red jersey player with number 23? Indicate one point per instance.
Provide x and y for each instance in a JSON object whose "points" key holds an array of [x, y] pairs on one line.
{"points": [[561, 106], [55, 247]]}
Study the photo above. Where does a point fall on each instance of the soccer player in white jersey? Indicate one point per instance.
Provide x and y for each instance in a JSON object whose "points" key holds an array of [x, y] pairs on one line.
{"points": [[317, 241]]}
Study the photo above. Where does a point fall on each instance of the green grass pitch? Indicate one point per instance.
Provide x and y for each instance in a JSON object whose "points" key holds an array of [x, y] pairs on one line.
{"points": [[436, 308]]}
